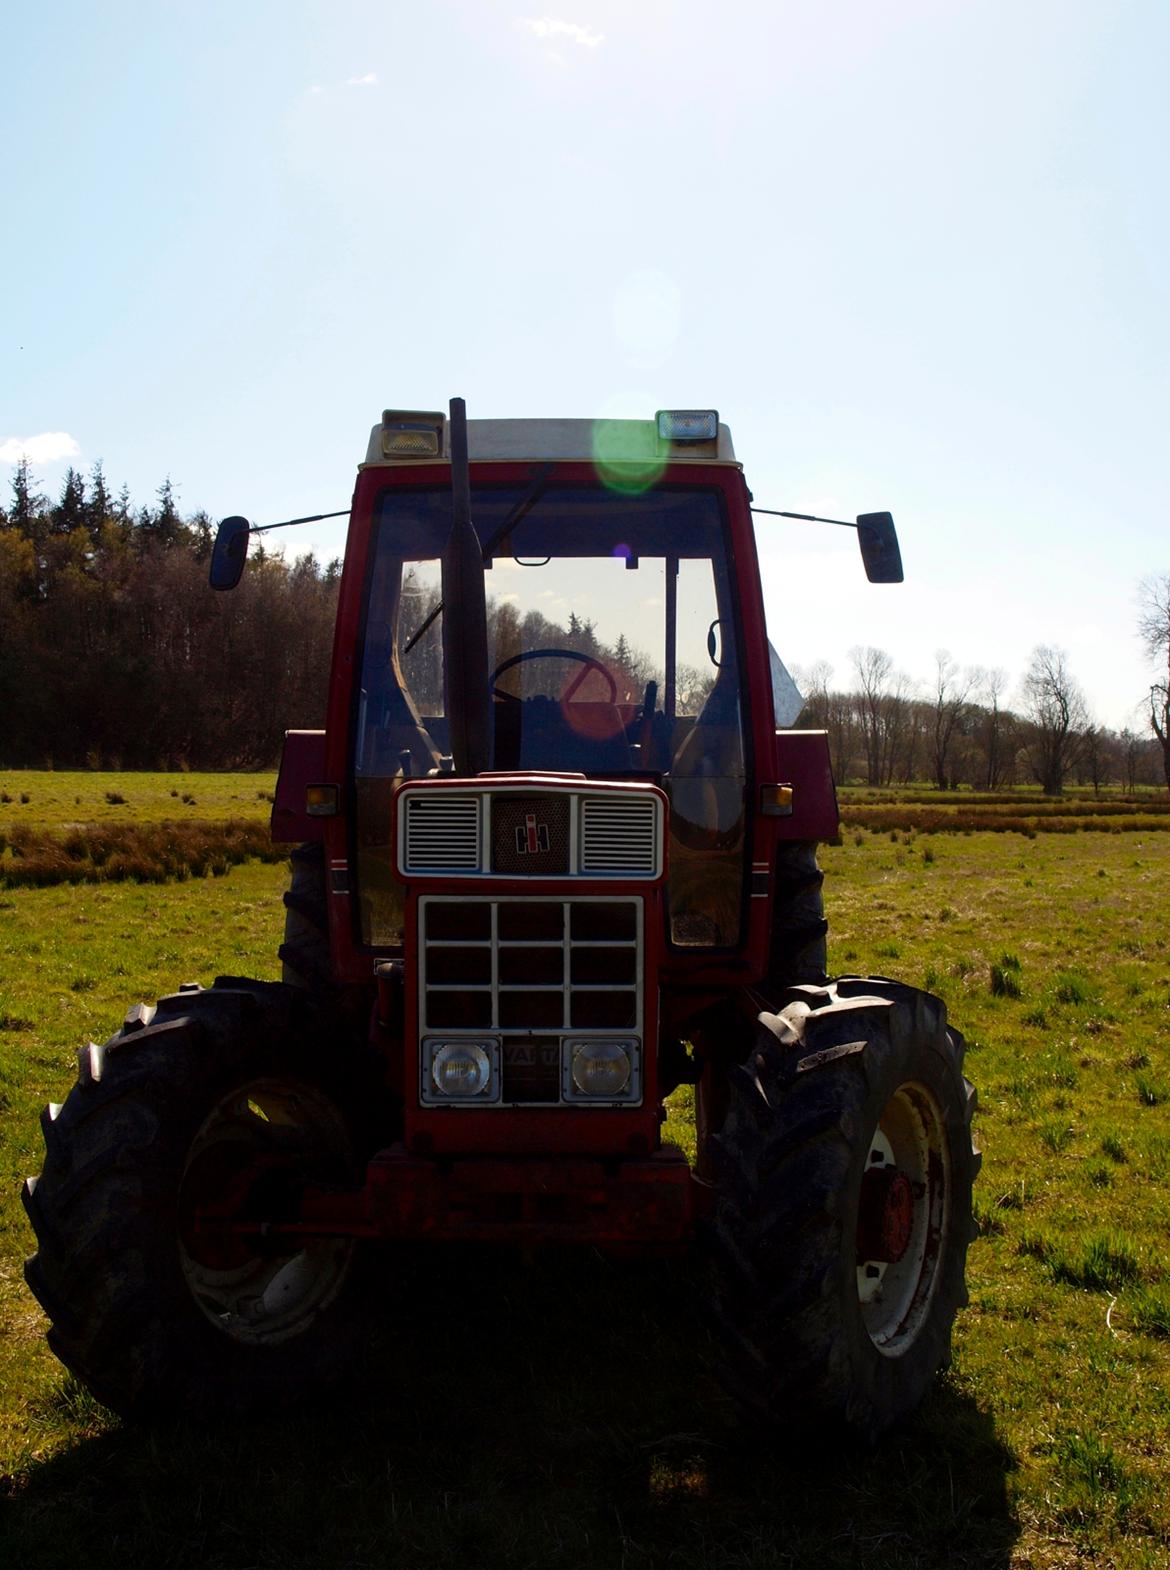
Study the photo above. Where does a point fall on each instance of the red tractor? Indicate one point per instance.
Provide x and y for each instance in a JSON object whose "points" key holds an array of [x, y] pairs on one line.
{"points": [[554, 859]]}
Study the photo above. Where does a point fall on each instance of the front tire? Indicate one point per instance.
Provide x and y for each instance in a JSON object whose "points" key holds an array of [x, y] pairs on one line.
{"points": [[214, 1105], [844, 1171]]}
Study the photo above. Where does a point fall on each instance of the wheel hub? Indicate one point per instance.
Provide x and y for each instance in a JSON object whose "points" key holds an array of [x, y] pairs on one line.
{"points": [[902, 1208], [885, 1215], [247, 1164]]}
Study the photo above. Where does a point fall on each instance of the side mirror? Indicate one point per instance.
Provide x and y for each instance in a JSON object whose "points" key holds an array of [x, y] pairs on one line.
{"points": [[229, 553], [879, 547]]}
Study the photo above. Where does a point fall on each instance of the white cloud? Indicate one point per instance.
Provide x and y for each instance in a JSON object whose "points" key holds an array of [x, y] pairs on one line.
{"points": [[551, 28], [49, 447], [327, 89]]}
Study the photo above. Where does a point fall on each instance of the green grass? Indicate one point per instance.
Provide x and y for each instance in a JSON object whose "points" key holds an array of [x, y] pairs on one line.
{"points": [[564, 1412], [51, 799]]}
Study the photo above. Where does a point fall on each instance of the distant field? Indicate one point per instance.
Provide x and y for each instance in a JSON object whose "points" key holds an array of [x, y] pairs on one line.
{"points": [[1019, 811], [564, 1412], [50, 799]]}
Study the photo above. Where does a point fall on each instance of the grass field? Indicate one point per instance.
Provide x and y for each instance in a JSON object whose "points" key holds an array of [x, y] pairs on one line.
{"points": [[52, 799], [565, 1411]]}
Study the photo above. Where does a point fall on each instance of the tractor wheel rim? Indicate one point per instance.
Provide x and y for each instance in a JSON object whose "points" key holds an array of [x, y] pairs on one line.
{"points": [[895, 1294], [263, 1294]]}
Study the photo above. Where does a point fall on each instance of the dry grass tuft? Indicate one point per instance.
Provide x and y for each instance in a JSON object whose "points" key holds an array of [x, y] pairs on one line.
{"points": [[132, 852]]}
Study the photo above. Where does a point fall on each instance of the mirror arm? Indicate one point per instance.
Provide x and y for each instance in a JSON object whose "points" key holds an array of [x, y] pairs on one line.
{"points": [[316, 517], [804, 517]]}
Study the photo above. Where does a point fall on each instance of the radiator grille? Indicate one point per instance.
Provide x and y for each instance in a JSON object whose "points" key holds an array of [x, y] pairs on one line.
{"points": [[619, 835], [513, 833], [533, 971], [442, 833]]}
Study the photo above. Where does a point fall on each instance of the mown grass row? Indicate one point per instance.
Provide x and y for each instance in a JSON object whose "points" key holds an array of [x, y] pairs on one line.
{"points": [[1022, 796], [1043, 818], [131, 852]]}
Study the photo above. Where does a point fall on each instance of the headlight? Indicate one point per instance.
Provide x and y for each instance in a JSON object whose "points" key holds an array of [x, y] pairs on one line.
{"points": [[603, 1070], [459, 1071]]}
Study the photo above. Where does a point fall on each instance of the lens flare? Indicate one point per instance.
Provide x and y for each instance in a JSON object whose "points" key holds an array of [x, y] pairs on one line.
{"points": [[625, 456]]}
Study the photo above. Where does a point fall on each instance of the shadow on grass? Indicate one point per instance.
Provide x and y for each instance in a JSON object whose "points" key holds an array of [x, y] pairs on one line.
{"points": [[557, 1414]]}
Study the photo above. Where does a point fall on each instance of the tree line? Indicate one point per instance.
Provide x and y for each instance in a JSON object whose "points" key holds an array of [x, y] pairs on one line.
{"points": [[883, 730], [114, 653]]}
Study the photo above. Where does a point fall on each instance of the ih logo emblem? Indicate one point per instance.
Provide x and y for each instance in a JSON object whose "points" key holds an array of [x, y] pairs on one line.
{"points": [[532, 837]]}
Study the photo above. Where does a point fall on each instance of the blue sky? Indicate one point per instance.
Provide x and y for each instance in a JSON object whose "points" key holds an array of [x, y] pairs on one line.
{"points": [[915, 253]]}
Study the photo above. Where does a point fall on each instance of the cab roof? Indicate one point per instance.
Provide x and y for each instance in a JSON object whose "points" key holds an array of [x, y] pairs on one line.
{"points": [[613, 442]]}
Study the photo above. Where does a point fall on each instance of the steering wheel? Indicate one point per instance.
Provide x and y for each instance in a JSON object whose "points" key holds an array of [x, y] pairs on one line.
{"points": [[587, 660]]}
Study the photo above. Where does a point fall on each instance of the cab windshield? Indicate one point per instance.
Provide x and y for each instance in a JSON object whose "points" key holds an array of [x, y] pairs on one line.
{"points": [[611, 651]]}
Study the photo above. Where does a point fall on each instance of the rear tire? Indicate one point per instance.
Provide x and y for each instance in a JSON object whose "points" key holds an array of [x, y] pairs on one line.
{"points": [[844, 1171], [798, 951], [304, 954], [153, 1312]]}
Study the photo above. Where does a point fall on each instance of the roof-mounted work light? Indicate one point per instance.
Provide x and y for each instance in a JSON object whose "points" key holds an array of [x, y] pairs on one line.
{"points": [[412, 433], [688, 425]]}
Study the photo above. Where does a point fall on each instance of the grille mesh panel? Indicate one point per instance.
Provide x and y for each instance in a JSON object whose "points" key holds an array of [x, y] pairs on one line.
{"points": [[442, 833], [618, 835]]}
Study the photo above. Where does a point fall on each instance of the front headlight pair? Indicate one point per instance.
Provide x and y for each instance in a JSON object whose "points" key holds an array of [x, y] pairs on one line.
{"points": [[459, 1072]]}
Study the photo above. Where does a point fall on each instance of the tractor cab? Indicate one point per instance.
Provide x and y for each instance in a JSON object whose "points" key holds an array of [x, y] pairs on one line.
{"points": [[611, 651]]}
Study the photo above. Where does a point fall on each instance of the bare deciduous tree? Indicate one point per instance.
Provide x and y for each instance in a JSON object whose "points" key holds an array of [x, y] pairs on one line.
{"points": [[993, 726], [1056, 708], [952, 693], [883, 711], [1154, 631]]}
